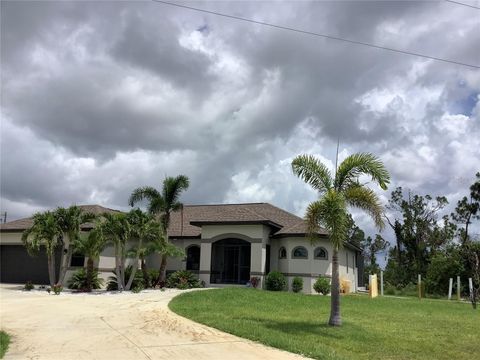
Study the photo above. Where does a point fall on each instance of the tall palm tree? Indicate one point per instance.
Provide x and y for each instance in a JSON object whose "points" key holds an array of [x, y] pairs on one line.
{"points": [[70, 221], [91, 246], [45, 232], [336, 193], [162, 204]]}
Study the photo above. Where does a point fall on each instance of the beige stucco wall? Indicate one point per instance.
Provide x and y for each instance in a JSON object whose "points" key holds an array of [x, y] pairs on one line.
{"points": [[252, 231], [309, 269], [14, 238]]}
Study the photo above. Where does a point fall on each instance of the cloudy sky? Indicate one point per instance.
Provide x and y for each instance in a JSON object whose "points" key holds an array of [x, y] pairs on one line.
{"points": [[101, 97]]}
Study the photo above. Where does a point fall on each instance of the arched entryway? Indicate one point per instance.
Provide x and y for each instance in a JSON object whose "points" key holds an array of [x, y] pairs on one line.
{"points": [[193, 258], [230, 262]]}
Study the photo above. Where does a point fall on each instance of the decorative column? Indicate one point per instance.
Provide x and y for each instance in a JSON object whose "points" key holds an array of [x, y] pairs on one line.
{"points": [[205, 262]]}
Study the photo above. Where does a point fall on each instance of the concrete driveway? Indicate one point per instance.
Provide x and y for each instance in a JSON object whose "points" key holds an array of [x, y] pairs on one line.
{"points": [[114, 326]]}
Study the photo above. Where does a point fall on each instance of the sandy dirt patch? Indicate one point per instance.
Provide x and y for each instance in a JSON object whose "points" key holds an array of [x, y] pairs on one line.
{"points": [[114, 326]]}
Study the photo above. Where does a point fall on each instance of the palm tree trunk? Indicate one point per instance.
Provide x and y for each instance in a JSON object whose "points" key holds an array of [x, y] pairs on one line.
{"points": [[335, 318], [161, 273], [51, 269], [132, 274], [134, 267], [117, 269], [89, 274], [144, 271], [65, 261]]}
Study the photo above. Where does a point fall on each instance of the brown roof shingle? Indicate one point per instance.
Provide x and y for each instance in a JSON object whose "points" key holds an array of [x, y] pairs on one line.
{"points": [[282, 221], [26, 223], [186, 223]]}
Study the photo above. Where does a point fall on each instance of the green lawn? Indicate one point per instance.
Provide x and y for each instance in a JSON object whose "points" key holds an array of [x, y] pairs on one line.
{"points": [[4, 341], [381, 328]]}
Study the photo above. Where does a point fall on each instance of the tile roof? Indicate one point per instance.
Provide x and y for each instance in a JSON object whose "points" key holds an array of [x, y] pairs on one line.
{"points": [[186, 223], [22, 224]]}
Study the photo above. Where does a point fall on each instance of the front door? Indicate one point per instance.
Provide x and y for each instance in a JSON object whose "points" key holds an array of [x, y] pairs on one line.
{"points": [[230, 262]]}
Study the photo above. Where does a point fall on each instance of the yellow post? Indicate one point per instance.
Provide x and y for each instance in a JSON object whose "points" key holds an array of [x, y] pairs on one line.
{"points": [[419, 286], [373, 286]]}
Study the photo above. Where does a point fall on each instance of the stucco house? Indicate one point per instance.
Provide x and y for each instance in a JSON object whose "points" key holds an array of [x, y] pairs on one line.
{"points": [[224, 244]]}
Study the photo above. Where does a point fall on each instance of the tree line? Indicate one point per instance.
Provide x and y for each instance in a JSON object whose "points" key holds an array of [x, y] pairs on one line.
{"points": [[427, 241]]}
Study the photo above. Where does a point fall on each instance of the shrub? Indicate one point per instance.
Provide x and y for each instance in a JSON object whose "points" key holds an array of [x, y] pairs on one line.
{"points": [[112, 284], [275, 281], [136, 289], [254, 281], [57, 289], [297, 284], [182, 279], [78, 281], [29, 286], [152, 275], [322, 286]]}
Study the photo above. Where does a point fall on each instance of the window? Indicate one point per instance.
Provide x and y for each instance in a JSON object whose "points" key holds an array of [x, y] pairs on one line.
{"points": [[193, 258], [282, 253], [77, 260], [321, 254], [299, 253], [347, 260]]}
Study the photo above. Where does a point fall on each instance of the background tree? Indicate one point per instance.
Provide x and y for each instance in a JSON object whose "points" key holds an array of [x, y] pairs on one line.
{"points": [[336, 193], [467, 210], [162, 204], [371, 248], [91, 246], [418, 234], [45, 232]]}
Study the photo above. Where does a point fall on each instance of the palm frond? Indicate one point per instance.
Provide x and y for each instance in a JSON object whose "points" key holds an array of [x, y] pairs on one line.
{"points": [[143, 193], [328, 212], [361, 164], [313, 172], [364, 198], [173, 187]]}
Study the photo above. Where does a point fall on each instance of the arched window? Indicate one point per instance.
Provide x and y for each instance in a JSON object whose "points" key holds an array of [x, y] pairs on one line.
{"points": [[193, 257], [282, 253], [299, 253], [321, 253]]}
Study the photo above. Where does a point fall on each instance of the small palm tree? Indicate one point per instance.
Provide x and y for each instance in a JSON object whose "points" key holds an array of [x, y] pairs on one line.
{"points": [[117, 230], [162, 204], [336, 193], [145, 229], [45, 232], [70, 221], [91, 246]]}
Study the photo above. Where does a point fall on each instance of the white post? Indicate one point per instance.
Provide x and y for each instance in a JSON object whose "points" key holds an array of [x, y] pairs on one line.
{"points": [[470, 287], [419, 286], [381, 282], [458, 288], [450, 287]]}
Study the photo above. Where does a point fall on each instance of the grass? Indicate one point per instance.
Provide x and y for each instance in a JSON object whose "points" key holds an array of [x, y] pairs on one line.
{"points": [[4, 341], [381, 328]]}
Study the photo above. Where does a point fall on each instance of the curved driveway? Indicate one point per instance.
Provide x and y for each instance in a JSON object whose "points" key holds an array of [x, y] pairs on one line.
{"points": [[114, 326]]}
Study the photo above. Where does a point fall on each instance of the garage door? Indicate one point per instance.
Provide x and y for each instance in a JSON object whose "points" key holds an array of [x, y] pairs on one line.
{"points": [[18, 267]]}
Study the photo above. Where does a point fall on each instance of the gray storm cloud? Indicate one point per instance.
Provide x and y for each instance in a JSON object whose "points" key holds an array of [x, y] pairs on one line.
{"points": [[99, 98]]}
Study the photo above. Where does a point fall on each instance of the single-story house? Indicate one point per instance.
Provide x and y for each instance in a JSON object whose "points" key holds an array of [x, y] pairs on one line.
{"points": [[224, 244]]}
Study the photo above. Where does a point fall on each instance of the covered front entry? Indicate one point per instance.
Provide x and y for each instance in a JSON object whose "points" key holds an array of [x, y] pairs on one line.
{"points": [[230, 262]]}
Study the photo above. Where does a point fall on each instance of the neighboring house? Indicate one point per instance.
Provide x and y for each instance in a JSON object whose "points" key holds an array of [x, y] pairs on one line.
{"points": [[224, 244]]}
